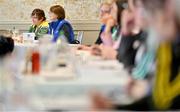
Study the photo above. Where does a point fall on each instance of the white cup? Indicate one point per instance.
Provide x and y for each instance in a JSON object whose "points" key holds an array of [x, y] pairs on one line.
{"points": [[28, 37]]}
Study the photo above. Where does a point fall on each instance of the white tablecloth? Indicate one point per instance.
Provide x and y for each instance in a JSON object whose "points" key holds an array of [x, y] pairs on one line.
{"points": [[69, 88]]}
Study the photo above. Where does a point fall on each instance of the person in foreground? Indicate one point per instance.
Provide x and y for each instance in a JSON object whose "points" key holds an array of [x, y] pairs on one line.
{"points": [[165, 93], [6, 46]]}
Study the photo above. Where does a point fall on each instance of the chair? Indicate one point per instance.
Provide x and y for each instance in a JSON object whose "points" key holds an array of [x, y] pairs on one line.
{"points": [[80, 36]]}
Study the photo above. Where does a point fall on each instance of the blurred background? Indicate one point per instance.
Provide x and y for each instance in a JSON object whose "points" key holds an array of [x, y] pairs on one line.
{"points": [[83, 14]]}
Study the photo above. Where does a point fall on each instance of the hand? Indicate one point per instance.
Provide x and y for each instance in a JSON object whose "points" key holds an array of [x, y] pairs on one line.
{"points": [[100, 102], [109, 24], [105, 52], [18, 39], [109, 21], [137, 88], [84, 47], [108, 53], [95, 50], [104, 18]]}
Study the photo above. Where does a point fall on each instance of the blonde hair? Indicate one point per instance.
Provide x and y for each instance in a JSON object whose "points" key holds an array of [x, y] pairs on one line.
{"points": [[105, 3], [110, 1]]}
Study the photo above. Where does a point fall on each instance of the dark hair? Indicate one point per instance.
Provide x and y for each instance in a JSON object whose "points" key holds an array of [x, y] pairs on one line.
{"points": [[6, 45], [59, 11], [39, 13], [121, 5]]}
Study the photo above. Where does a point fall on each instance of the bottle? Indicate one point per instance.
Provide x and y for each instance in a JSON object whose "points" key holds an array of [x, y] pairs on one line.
{"points": [[15, 32], [35, 62]]}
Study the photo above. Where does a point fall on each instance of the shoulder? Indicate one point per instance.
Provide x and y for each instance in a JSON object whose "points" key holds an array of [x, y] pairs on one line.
{"points": [[64, 24], [45, 24], [31, 28]]}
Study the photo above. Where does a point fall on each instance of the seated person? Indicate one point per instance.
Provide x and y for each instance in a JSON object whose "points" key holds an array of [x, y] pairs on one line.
{"points": [[133, 46], [104, 9], [6, 46], [59, 26], [129, 44], [40, 25], [165, 94], [112, 32]]}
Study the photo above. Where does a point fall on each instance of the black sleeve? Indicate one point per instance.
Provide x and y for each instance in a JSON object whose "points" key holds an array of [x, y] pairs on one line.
{"points": [[142, 105], [66, 33], [176, 103], [99, 41], [127, 51]]}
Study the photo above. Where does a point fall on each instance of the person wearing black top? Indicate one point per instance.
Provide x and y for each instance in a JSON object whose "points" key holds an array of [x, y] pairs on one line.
{"points": [[128, 48], [165, 94], [112, 20], [6, 45], [105, 8], [150, 102], [99, 41]]}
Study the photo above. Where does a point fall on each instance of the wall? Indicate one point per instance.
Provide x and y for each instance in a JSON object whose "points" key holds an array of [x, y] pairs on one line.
{"points": [[82, 13]]}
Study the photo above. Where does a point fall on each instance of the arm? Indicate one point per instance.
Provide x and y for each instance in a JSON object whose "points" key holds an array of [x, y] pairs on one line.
{"points": [[42, 31]]}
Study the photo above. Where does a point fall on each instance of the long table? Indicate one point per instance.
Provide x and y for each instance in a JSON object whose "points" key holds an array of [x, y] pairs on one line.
{"points": [[69, 88]]}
